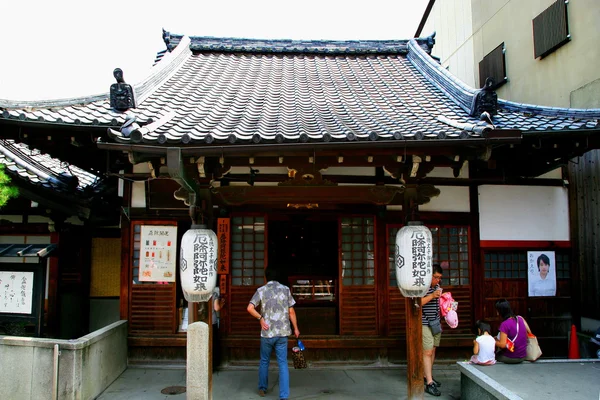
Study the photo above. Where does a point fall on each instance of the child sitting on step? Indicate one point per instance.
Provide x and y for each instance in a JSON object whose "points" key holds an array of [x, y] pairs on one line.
{"points": [[484, 345]]}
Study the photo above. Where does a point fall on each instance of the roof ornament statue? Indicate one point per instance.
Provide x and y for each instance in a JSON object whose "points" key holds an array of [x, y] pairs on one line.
{"points": [[485, 100], [121, 93], [431, 41]]}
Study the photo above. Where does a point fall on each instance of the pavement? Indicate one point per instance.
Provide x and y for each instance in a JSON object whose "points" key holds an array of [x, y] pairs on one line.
{"points": [[544, 379], [313, 383], [551, 379]]}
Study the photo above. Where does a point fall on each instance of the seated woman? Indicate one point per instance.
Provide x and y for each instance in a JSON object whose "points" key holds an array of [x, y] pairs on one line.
{"points": [[484, 345], [512, 338]]}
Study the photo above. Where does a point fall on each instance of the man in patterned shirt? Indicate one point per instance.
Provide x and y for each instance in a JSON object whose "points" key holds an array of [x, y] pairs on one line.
{"points": [[277, 310]]}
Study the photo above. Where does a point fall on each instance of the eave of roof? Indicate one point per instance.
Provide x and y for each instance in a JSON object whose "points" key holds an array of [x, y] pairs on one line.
{"points": [[43, 171], [26, 250]]}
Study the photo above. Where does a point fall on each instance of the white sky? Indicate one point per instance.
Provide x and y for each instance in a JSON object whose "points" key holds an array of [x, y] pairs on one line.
{"points": [[66, 48]]}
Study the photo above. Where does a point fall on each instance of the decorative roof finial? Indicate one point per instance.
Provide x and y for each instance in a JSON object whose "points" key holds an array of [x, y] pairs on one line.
{"points": [[485, 100], [431, 41], [121, 94]]}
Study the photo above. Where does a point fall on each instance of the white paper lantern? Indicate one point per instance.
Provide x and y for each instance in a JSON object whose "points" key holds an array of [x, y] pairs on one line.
{"points": [[413, 259], [198, 263]]}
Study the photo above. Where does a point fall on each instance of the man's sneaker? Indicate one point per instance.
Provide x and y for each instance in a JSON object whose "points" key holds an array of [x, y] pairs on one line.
{"points": [[438, 384], [262, 393], [432, 389]]}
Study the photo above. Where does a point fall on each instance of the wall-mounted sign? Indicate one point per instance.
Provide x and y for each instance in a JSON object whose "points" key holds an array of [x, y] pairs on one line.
{"points": [[541, 274], [16, 292], [224, 237], [414, 255], [158, 253]]}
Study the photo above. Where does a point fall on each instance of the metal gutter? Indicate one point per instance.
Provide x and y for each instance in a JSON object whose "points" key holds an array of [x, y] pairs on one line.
{"points": [[509, 137]]}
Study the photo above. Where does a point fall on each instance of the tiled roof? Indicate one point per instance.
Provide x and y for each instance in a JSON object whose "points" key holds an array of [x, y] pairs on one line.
{"points": [[42, 170], [236, 91]]}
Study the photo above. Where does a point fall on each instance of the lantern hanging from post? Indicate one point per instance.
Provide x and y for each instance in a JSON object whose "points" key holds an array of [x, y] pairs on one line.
{"points": [[413, 259], [198, 263]]}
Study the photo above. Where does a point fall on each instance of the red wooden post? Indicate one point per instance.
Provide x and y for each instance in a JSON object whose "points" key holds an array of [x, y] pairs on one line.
{"points": [[414, 349]]}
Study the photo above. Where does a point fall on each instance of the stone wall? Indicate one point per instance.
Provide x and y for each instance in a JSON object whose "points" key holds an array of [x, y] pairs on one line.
{"points": [[86, 366]]}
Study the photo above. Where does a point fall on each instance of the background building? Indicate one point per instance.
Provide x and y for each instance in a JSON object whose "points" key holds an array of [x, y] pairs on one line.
{"points": [[538, 52]]}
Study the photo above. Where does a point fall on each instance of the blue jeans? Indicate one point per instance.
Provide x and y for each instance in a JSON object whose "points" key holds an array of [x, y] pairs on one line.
{"points": [[266, 348]]}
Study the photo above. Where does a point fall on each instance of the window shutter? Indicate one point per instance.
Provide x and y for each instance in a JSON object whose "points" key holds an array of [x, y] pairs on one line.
{"points": [[550, 29], [493, 65]]}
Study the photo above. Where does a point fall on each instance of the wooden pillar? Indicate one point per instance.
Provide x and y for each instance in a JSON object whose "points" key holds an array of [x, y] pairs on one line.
{"points": [[52, 318], [414, 349], [414, 331]]}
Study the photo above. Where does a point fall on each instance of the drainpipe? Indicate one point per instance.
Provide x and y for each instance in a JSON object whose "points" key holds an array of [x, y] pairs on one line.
{"points": [[55, 373], [177, 173]]}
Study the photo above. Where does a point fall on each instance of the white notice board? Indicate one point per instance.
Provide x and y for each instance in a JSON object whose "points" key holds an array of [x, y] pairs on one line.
{"points": [[16, 292], [158, 253]]}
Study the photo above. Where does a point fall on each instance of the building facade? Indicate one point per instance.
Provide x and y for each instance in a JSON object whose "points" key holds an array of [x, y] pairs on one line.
{"points": [[309, 157], [539, 53]]}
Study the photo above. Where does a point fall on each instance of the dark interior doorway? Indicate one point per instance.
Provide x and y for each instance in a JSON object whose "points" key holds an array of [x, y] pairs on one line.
{"points": [[304, 249], [303, 246]]}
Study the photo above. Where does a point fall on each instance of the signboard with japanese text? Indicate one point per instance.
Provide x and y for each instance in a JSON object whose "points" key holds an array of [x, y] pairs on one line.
{"points": [[158, 253], [224, 237], [223, 284], [16, 292]]}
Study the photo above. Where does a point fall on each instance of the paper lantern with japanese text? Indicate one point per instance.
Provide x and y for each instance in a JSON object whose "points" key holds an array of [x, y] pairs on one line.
{"points": [[198, 263], [413, 259]]}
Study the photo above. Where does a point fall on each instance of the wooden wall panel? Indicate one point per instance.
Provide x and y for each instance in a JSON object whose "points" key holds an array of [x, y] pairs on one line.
{"points": [[461, 294], [358, 310], [240, 322], [152, 309], [397, 316], [584, 192], [548, 317]]}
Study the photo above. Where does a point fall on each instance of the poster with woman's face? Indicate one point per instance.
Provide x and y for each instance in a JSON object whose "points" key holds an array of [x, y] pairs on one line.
{"points": [[541, 274]]}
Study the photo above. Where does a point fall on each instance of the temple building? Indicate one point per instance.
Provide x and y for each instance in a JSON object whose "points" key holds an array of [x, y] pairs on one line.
{"points": [[308, 157]]}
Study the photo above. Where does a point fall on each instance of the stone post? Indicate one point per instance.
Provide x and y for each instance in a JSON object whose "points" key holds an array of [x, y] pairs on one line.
{"points": [[199, 370]]}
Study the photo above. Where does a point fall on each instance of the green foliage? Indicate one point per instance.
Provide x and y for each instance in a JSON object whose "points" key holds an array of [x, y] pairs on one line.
{"points": [[7, 191]]}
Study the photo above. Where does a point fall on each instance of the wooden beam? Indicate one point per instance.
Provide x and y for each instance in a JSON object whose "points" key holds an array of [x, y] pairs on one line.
{"points": [[339, 342], [237, 195]]}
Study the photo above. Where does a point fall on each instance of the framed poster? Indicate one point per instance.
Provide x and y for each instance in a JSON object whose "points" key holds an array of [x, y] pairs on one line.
{"points": [[158, 253], [541, 273]]}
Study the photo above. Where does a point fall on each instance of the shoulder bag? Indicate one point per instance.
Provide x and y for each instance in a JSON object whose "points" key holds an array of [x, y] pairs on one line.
{"points": [[510, 344], [435, 324], [533, 348]]}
